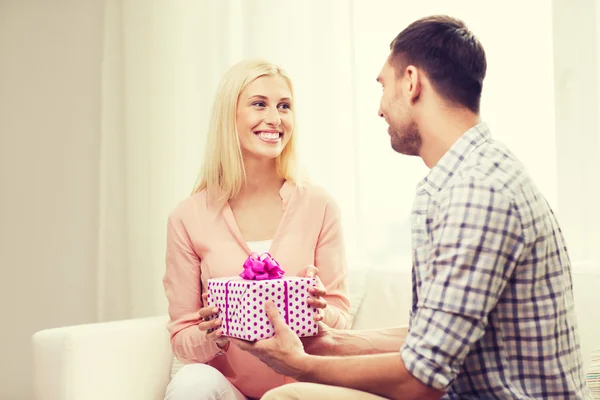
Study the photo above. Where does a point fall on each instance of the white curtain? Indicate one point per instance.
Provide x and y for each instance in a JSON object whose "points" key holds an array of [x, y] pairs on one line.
{"points": [[163, 60]]}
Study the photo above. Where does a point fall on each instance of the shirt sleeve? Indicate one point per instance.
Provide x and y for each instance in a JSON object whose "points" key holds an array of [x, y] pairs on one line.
{"points": [[183, 291], [476, 241], [330, 259]]}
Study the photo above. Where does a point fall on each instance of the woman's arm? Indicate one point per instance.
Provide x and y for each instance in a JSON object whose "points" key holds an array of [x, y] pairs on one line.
{"points": [[330, 259], [183, 291]]}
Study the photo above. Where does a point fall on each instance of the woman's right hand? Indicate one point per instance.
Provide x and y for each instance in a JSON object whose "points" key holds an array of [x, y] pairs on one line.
{"points": [[204, 325]]}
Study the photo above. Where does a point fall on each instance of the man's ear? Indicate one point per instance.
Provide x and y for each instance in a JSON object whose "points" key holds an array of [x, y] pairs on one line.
{"points": [[414, 83]]}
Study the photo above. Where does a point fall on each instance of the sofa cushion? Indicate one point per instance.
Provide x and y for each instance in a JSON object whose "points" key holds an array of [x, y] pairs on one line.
{"points": [[387, 300], [593, 374]]}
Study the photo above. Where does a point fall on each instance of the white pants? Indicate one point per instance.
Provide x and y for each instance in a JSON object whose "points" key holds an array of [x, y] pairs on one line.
{"points": [[201, 382], [310, 391]]}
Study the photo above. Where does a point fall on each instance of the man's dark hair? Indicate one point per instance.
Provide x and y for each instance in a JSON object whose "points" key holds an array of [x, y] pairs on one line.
{"points": [[449, 54]]}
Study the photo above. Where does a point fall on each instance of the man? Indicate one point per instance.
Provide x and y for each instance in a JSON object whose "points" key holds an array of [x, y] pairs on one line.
{"points": [[492, 314]]}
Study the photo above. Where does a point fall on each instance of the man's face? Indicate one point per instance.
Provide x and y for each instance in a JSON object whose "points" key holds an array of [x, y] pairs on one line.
{"points": [[395, 108]]}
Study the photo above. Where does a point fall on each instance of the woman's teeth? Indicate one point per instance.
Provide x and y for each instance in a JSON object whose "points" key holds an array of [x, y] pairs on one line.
{"points": [[269, 135]]}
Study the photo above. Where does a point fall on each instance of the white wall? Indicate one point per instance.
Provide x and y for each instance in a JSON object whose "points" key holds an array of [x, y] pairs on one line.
{"points": [[49, 133], [517, 103], [577, 83]]}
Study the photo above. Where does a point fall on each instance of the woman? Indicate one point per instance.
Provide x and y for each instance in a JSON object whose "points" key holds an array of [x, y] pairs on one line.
{"points": [[249, 198]]}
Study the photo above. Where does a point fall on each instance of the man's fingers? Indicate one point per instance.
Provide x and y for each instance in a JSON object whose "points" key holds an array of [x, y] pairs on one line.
{"points": [[274, 316]]}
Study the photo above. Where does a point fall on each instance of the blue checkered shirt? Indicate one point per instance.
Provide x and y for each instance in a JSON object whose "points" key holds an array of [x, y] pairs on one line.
{"points": [[492, 313]]}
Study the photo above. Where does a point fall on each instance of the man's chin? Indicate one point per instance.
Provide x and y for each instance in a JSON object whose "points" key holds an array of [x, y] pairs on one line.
{"points": [[406, 148]]}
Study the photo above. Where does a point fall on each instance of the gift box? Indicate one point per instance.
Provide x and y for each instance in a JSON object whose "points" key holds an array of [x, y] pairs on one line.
{"points": [[241, 300]]}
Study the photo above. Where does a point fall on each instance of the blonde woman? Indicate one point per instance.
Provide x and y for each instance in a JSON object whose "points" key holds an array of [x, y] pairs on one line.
{"points": [[249, 198]]}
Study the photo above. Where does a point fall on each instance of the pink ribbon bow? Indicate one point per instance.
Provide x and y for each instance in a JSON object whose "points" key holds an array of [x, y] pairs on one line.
{"points": [[261, 267]]}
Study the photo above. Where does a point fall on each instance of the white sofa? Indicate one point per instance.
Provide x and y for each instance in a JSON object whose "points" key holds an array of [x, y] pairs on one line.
{"points": [[132, 360]]}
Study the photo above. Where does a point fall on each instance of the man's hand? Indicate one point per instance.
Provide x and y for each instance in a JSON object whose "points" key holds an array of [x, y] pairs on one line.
{"points": [[283, 352], [322, 343], [381, 374]]}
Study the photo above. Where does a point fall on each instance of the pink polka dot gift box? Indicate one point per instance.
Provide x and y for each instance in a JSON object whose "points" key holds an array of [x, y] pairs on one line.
{"points": [[241, 300]]}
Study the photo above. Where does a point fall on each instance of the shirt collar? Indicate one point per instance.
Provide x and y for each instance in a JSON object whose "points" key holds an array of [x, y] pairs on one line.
{"points": [[450, 162], [218, 200], [286, 189]]}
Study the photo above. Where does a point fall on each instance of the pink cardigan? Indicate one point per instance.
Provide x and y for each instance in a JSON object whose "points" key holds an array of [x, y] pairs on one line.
{"points": [[204, 242]]}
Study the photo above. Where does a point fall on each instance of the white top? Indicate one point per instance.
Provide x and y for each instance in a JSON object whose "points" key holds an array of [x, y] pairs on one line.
{"points": [[260, 246]]}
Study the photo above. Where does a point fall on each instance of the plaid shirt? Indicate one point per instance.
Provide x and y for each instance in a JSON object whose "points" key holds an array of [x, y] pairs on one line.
{"points": [[492, 314]]}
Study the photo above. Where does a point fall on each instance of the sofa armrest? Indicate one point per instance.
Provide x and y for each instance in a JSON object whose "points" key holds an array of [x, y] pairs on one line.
{"points": [[121, 360]]}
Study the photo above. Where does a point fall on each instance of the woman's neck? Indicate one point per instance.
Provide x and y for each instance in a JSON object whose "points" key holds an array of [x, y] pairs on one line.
{"points": [[261, 177]]}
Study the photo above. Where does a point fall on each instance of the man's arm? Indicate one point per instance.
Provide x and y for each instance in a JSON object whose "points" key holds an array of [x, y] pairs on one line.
{"points": [[332, 342], [381, 374], [476, 240]]}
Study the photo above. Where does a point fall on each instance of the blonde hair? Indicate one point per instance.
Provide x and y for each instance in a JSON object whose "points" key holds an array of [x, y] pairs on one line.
{"points": [[223, 174]]}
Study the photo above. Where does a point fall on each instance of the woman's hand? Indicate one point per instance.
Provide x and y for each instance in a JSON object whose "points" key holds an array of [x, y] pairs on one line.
{"points": [[205, 325], [316, 300]]}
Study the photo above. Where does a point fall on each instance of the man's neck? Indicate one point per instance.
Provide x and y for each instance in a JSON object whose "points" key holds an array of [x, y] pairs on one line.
{"points": [[440, 130]]}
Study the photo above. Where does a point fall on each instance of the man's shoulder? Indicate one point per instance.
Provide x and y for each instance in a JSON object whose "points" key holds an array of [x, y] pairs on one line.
{"points": [[491, 167]]}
